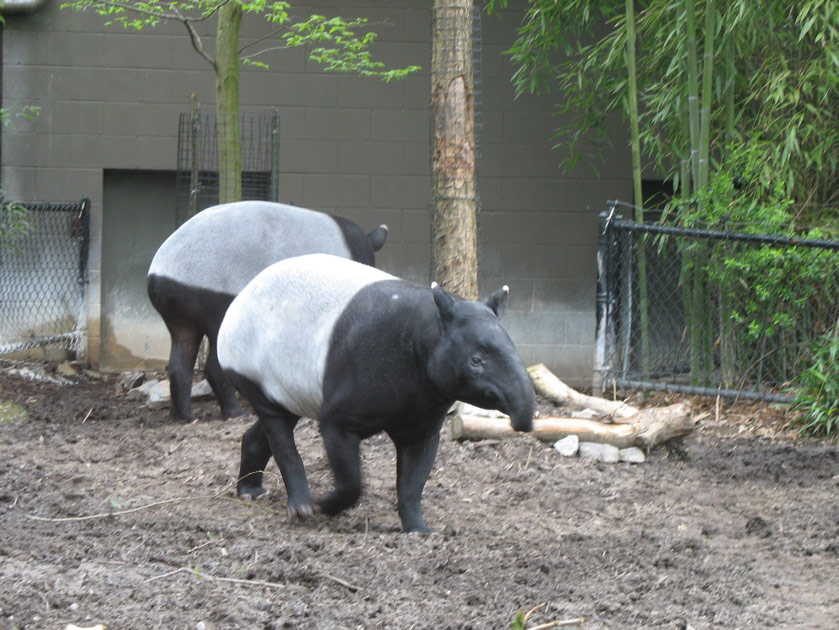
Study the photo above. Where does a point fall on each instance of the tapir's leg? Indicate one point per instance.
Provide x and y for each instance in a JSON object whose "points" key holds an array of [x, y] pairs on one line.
{"points": [[222, 388], [414, 461], [255, 455], [342, 449], [279, 430], [275, 429], [185, 342]]}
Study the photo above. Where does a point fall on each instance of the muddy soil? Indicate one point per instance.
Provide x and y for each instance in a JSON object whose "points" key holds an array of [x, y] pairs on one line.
{"points": [[110, 514]]}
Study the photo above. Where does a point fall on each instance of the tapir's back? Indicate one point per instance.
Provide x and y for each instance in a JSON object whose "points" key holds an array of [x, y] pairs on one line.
{"points": [[223, 247], [277, 331]]}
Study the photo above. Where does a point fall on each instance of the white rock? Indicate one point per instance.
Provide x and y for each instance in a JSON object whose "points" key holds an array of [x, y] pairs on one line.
{"points": [[66, 369], [201, 390], [158, 396], [632, 455], [568, 445], [131, 380], [142, 392], [471, 410], [605, 453]]}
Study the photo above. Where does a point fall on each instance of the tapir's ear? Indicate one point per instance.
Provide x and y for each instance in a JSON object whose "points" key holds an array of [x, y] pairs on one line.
{"points": [[498, 301], [378, 237], [444, 302]]}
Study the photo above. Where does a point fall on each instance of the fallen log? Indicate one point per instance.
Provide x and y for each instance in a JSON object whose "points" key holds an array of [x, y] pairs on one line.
{"points": [[645, 429], [549, 386]]}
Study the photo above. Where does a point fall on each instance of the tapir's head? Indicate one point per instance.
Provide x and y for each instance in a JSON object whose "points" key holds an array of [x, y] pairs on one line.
{"points": [[363, 247], [476, 361]]}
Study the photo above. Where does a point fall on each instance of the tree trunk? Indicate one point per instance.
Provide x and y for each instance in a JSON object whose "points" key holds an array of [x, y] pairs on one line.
{"points": [[646, 429], [548, 385], [454, 214], [227, 102]]}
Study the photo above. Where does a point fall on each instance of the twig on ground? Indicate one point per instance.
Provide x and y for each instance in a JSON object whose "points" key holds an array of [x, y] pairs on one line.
{"points": [[578, 621], [560, 624], [216, 578]]}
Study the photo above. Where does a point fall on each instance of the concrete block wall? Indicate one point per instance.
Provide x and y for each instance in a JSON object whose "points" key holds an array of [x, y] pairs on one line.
{"points": [[356, 147]]}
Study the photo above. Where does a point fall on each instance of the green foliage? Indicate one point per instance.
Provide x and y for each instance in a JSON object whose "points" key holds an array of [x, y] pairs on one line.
{"points": [[781, 61], [818, 393], [334, 42], [519, 622], [11, 412], [778, 299], [9, 115], [14, 225]]}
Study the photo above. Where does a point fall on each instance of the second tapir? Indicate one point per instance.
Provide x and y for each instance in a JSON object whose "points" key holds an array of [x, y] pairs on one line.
{"points": [[362, 352], [204, 264]]}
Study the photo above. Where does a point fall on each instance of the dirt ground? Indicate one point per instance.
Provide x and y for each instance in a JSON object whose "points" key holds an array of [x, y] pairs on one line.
{"points": [[110, 514]]}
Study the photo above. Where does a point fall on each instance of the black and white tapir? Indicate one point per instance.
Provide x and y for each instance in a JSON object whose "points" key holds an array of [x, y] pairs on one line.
{"points": [[207, 261], [362, 352]]}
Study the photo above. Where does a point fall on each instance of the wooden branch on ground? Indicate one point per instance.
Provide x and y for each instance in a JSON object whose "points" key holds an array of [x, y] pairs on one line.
{"points": [[645, 429], [549, 386]]}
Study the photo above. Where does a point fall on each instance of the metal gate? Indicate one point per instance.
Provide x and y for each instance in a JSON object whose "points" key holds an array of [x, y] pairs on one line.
{"points": [[43, 273]]}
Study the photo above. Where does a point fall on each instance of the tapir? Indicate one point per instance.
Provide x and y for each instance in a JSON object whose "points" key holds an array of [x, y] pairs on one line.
{"points": [[208, 260], [361, 352]]}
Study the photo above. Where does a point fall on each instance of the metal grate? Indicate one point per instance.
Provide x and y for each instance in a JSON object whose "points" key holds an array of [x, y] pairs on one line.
{"points": [[43, 272], [731, 335], [197, 183]]}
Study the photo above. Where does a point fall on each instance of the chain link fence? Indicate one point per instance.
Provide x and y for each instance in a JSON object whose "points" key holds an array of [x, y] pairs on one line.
{"points": [[710, 312], [43, 272]]}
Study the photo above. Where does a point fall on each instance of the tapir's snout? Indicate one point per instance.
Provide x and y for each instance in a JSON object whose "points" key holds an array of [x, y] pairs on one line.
{"points": [[520, 403]]}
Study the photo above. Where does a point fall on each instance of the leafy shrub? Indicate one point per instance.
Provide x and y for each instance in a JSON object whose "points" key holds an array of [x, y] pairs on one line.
{"points": [[818, 393], [772, 301]]}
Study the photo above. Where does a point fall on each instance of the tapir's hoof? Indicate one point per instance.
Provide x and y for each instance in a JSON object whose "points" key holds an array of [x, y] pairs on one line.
{"points": [[423, 530], [299, 512], [241, 416], [184, 419], [253, 494], [234, 413]]}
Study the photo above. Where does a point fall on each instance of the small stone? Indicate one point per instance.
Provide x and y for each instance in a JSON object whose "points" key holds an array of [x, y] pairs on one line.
{"points": [[605, 453], [568, 446], [142, 392], [159, 396], [131, 380], [201, 390], [632, 455], [66, 369]]}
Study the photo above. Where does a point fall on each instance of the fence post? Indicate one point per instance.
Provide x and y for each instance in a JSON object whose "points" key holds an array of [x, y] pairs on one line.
{"points": [[195, 144], [275, 155], [84, 250], [605, 326]]}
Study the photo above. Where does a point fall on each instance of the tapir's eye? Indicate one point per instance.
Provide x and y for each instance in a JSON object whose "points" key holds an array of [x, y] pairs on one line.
{"points": [[477, 360]]}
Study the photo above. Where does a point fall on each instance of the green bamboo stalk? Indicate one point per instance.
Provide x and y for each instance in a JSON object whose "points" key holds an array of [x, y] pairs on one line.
{"points": [[693, 88], [685, 276], [707, 95], [694, 318], [727, 336], [730, 76], [635, 140], [704, 177]]}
